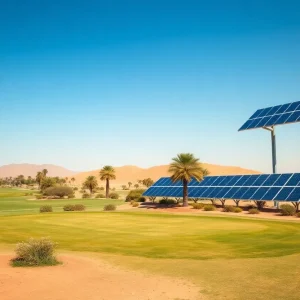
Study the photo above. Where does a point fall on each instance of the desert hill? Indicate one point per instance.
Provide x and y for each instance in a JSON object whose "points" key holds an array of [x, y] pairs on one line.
{"points": [[132, 173], [14, 170]]}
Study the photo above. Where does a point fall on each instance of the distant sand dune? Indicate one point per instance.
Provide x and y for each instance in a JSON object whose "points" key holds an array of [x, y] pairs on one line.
{"points": [[133, 173]]}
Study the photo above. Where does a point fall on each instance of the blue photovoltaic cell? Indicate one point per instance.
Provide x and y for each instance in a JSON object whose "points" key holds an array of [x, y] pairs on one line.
{"points": [[294, 195], [284, 193], [270, 180], [276, 115], [249, 193], [271, 193], [282, 179], [260, 192], [294, 180]]}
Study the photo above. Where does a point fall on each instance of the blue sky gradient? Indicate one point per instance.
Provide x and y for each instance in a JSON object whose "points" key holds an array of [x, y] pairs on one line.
{"points": [[87, 83]]}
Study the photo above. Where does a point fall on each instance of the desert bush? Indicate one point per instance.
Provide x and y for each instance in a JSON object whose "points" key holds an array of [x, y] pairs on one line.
{"points": [[237, 210], [35, 252], [135, 204], [209, 207], [109, 207], [134, 194], [298, 214], [287, 210], [142, 199], [100, 196], [228, 208], [167, 202], [253, 211], [79, 207], [60, 191], [197, 205], [75, 189], [68, 207], [250, 206], [39, 196], [101, 188], [46, 208], [85, 196], [71, 196], [114, 196]]}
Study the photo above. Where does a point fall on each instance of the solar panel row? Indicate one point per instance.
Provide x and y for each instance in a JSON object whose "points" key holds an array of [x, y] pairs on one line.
{"points": [[276, 115], [287, 179], [281, 187]]}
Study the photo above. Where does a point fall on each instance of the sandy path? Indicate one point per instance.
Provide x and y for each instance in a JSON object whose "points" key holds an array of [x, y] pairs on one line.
{"points": [[81, 278]]}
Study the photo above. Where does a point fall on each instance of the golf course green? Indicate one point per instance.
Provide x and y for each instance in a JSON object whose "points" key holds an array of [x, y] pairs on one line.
{"points": [[228, 257]]}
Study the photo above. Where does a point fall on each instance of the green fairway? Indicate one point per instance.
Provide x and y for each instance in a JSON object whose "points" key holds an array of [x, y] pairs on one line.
{"points": [[227, 257], [14, 202]]}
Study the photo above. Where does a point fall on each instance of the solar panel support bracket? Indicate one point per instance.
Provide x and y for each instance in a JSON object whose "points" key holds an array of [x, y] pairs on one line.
{"points": [[273, 141]]}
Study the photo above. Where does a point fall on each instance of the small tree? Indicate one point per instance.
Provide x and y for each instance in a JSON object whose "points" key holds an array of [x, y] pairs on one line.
{"points": [[107, 173], [183, 168], [129, 184], [147, 182], [136, 186], [90, 183], [124, 187]]}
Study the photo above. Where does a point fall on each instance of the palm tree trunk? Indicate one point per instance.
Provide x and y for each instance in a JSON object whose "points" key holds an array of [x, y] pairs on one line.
{"points": [[185, 193], [107, 188]]}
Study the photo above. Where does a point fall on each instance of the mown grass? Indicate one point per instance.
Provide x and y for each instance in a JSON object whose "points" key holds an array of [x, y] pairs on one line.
{"points": [[227, 257], [14, 202]]}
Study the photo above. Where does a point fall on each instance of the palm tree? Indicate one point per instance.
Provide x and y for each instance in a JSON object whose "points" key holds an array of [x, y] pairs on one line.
{"points": [[45, 172], [73, 180], [136, 186], [129, 184], [184, 167], [39, 177], [90, 183], [107, 173]]}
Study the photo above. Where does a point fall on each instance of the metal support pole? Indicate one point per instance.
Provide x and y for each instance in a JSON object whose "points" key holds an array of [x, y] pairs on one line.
{"points": [[274, 160]]}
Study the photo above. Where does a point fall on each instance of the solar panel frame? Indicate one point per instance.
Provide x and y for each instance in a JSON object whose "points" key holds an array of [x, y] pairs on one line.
{"points": [[260, 187], [274, 115]]}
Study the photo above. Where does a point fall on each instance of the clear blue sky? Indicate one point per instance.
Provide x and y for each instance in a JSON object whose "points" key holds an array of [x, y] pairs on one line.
{"points": [[87, 83]]}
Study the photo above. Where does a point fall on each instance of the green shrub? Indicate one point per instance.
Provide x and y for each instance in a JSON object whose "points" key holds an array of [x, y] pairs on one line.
{"points": [[68, 207], [109, 207], [60, 191], [35, 252], [167, 202], [101, 188], [39, 196], [287, 210], [79, 207], [46, 208], [114, 196], [71, 196], [209, 207], [253, 211], [100, 196], [134, 194], [135, 204], [237, 210], [228, 208], [86, 195], [142, 199], [197, 205]]}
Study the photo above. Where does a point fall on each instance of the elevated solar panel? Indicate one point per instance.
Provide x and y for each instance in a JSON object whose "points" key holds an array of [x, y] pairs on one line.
{"points": [[261, 187], [275, 115]]}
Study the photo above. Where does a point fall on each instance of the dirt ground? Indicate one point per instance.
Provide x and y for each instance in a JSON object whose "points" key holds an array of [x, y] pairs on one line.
{"points": [[81, 278]]}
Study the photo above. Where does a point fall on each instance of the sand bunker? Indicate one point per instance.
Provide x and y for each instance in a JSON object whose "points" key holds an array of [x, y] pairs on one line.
{"points": [[81, 278]]}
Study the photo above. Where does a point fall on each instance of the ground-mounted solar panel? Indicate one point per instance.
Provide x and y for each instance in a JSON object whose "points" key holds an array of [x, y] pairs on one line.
{"points": [[271, 116], [260, 187]]}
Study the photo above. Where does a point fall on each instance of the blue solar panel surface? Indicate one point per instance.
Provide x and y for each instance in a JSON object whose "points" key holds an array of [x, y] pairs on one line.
{"points": [[276, 115], [281, 187]]}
